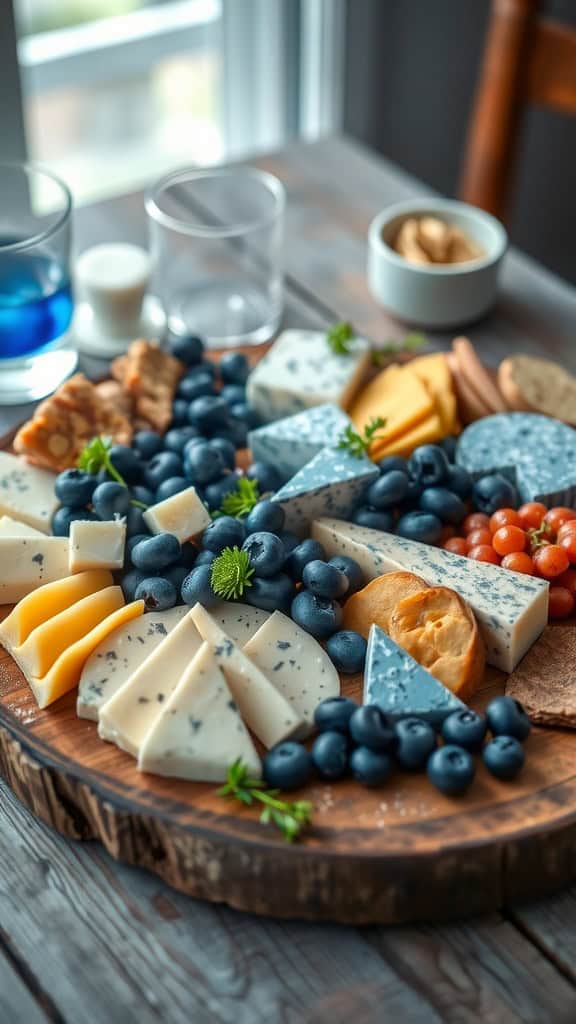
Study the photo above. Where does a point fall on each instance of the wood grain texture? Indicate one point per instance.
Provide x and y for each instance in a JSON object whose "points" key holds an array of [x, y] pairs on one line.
{"points": [[16, 1001]]}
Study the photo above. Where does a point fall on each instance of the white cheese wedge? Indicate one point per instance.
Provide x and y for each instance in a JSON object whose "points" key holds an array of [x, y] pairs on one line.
{"points": [[118, 657], [295, 664], [511, 608], [29, 562], [130, 713], [97, 545], [184, 515], [266, 712], [199, 732], [26, 493], [49, 600], [12, 528], [239, 621]]}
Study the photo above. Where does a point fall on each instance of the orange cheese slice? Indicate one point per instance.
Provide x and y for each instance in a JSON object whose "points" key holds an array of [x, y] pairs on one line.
{"points": [[434, 372], [428, 431], [398, 396], [49, 600]]}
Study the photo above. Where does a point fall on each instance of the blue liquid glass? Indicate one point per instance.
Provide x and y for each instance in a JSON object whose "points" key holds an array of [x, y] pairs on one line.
{"points": [[35, 302]]}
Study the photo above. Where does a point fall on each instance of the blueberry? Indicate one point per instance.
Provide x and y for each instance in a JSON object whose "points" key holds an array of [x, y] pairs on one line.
{"points": [[369, 727], [493, 492], [202, 464], [225, 532], [370, 767], [215, 493], [330, 755], [242, 411], [234, 368], [196, 386], [324, 580], [267, 476], [351, 570], [176, 574], [420, 526], [206, 367], [319, 616], [390, 462], [465, 728], [306, 551], [233, 393], [74, 487], [270, 593], [64, 516], [135, 523], [173, 485], [179, 412], [266, 515], [365, 515], [459, 481], [127, 462], [443, 503], [451, 769], [176, 439], [189, 348], [147, 443], [131, 581], [205, 558], [157, 593], [198, 588], [415, 741], [449, 445], [235, 431], [428, 464], [110, 499], [208, 413], [504, 757], [412, 495], [506, 717], [388, 490], [289, 540], [334, 713], [156, 553], [288, 765], [347, 649], [188, 555], [134, 540], [143, 494], [161, 467], [226, 449], [266, 552]]}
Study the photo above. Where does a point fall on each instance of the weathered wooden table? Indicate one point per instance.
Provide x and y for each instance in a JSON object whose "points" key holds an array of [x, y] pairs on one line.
{"points": [[84, 939]]}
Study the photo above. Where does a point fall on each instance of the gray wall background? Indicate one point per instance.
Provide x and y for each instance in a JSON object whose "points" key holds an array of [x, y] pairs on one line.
{"points": [[411, 71]]}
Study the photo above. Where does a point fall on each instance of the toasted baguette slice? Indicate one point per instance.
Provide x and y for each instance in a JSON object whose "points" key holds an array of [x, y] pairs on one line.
{"points": [[376, 601], [476, 375], [530, 384], [439, 630]]}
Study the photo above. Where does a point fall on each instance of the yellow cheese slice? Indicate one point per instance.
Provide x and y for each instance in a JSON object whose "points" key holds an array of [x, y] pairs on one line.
{"points": [[434, 372], [46, 643], [66, 670], [428, 431], [398, 396], [49, 600]]}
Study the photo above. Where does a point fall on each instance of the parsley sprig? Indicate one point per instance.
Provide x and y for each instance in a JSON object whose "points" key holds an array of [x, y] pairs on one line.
{"points": [[231, 573], [358, 444], [539, 536], [411, 343], [96, 456], [339, 337], [288, 817], [241, 501]]}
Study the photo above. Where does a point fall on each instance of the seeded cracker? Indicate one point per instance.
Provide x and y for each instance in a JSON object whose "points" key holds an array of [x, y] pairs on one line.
{"points": [[545, 680]]}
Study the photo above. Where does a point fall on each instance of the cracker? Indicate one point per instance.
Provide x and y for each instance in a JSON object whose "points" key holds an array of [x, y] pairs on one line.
{"points": [[545, 680]]}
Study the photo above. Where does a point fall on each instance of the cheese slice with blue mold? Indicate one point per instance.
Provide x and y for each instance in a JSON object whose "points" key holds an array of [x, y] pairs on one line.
{"points": [[10, 527], [400, 686], [290, 443], [27, 493], [29, 562], [331, 484]]}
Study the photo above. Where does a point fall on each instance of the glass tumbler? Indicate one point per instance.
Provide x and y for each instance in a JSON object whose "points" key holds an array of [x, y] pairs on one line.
{"points": [[216, 241], [36, 304]]}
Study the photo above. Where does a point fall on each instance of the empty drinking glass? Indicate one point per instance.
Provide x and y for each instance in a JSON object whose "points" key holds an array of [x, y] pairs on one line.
{"points": [[216, 239]]}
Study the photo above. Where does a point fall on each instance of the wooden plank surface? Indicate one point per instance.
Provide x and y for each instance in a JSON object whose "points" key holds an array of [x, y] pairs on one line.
{"points": [[82, 927]]}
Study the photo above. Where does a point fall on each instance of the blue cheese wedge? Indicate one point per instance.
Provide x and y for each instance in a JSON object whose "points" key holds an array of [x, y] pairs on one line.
{"points": [[536, 452], [265, 710], [184, 515], [511, 608], [331, 484], [29, 562], [290, 443], [97, 545], [199, 732], [301, 370], [295, 664], [26, 493], [12, 528], [400, 686]]}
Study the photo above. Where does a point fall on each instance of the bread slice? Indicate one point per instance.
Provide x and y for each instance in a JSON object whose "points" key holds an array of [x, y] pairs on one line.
{"points": [[476, 375], [470, 405], [376, 602], [531, 384], [439, 630]]}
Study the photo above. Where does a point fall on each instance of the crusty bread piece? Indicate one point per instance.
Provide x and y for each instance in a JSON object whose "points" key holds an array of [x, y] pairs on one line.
{"points": [[530, 384], [476, 375], [470, 405], [376, 601], [439, 630]]}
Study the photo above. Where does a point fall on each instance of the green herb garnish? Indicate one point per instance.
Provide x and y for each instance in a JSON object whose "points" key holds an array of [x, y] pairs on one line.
{"points": [[289, 818], [411, 343], [241, 501], [231, 573], [539, 536], [96, 456], [339, 337], [358, 444]]}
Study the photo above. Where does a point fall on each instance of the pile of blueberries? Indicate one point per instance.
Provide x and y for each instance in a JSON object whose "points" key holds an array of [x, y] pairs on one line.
{"points": [[359, 740], [416, 497]]}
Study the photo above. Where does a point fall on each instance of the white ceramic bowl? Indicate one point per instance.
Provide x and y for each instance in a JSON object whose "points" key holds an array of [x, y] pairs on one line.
{"points": [[439, 295]]}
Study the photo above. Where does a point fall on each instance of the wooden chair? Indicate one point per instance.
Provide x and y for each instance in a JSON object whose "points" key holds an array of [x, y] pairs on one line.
{"points": [[528, 59]]}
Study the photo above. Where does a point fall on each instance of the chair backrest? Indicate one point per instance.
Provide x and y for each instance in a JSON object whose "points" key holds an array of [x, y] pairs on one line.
{"points": [[528, 59]]}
